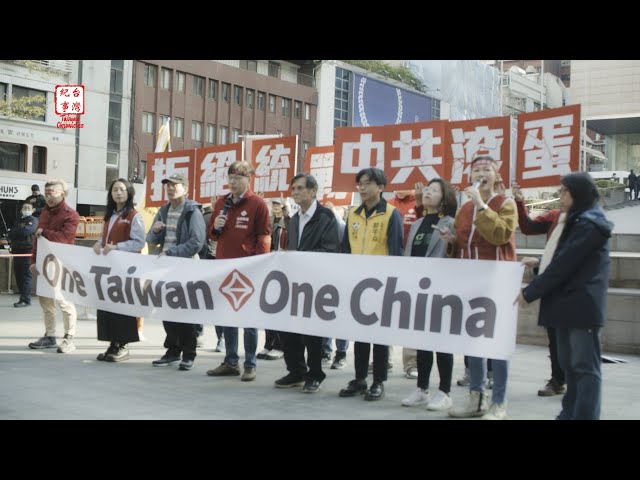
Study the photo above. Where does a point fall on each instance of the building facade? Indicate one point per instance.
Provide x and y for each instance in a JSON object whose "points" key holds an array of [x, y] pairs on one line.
{"points": [[214, 102]]}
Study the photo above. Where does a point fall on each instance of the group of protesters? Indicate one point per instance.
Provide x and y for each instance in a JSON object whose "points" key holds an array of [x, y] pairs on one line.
{"points": [[570, 278]]}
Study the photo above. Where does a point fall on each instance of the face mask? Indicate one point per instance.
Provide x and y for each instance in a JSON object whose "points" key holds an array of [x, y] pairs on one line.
{"points": [[26, 213]]}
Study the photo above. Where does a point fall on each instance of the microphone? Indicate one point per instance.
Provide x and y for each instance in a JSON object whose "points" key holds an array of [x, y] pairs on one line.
{"points": [[228, 203], [480, 181]]}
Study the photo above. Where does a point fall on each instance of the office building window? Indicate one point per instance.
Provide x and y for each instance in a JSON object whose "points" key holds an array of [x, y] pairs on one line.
{"points": [[272, 104], [235, 135], [297, 107], [165, 79], [274, 69], [213, 89], [147, 122], [211, 134], [223, 135], [435, 109], [115, 85], [198, 86], [32, 98], [225, 91], [180, 82], [237, 95], [249, 100], [196, 131], [13, 156], [261, 101], [286, 107], [39, 164], [150, 75], [341, 105], [178, 127], [251, 65], [162, 119], [307, 111]]}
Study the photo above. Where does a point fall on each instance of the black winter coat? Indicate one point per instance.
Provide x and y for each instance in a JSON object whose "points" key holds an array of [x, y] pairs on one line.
{"points": [[573, 288]]}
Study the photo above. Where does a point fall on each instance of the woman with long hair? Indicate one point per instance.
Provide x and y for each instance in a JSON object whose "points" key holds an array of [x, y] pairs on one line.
{"points": [[123, 230], [423, 240], [573, 293]]}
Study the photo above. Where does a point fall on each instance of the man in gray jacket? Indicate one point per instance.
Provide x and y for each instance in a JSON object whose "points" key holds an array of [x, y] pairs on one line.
{"points": [[179, 231]]}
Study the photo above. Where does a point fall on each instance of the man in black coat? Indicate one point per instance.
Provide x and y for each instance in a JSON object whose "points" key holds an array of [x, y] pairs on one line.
{"points": [[313, 229], [632, 184], [21, 239], [36, 199]]}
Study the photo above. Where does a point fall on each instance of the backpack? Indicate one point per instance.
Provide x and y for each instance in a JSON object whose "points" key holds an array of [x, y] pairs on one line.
{"points": [[204, 253]]}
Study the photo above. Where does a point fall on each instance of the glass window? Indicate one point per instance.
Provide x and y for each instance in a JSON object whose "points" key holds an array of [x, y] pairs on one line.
{"points": [[3, 91], [305, 146], [272, 104], [162, 119], [196, 131], [435, 109], [225, 91], [286, 107], [251, 65], [147, 122], [213, 89], [297, 107], [237, 94], [13, 156], [112, 158], [249, 100], [211, 134], [113, 131], [223, 135], [115, 85], [274, 69], [307, 111], [165, 79], [178, 127], [150, 75], [235, 135], [341, 105], [261, 101], [180, 81], [32, 98], [112, 175], [198, 86], [39, 160]]}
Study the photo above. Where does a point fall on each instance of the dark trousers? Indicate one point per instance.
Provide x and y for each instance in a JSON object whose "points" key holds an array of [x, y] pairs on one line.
{"points": [[380, 359], [273, 340], [181, 337], [556, 371], [294, 345], [579, 354], [445, 369], [219, 332], [23, 277]]}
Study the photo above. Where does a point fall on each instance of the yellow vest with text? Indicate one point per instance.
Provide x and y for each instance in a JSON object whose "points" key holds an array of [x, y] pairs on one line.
{"points": [[369, 236]]}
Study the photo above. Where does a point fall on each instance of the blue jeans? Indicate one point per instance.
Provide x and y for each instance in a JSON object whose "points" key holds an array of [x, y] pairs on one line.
{"points": [[341, 346], [478, 374], [579, 356], [250, 346]]}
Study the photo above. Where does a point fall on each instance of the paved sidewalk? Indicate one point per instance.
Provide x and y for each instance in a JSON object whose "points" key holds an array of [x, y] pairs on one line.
{"points": [[40, 384]]}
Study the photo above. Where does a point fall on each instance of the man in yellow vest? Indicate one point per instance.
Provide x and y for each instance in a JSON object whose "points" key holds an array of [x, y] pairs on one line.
{"points": [[373, 228]]}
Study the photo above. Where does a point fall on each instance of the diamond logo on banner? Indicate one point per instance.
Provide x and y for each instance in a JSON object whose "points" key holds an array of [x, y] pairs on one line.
{"points": [[237, 289]]}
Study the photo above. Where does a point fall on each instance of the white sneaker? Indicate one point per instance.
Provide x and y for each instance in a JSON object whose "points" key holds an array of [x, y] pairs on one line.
{"points": [[476, 406], [274, 355], [412, 373], [497, 411], [441, 401], [418, 397]]}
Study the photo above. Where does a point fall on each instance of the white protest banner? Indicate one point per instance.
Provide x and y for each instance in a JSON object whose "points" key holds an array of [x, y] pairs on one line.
{"points": [[443, 305]]}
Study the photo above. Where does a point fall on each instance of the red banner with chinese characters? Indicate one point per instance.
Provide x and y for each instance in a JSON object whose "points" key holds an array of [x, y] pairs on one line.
{"points": [[162, 165], [407, 153], [548, 146], [211, 167], [319, 163], [274, 160], [467, 139]]}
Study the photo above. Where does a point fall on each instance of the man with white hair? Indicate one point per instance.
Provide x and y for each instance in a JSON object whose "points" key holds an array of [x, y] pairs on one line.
{"points": [[58, 223]]}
